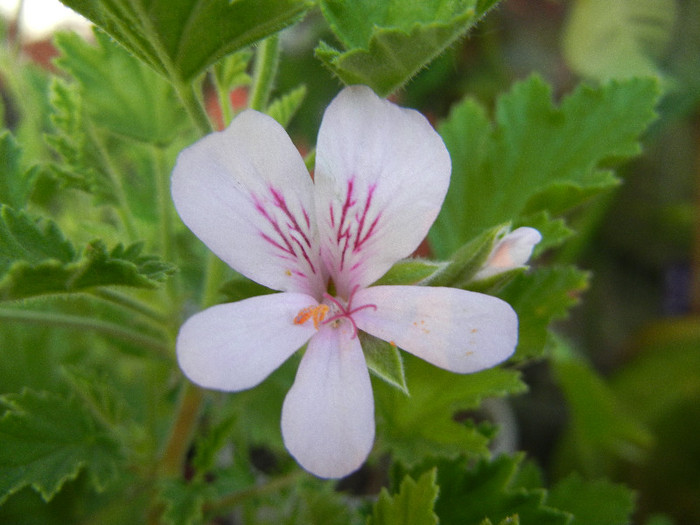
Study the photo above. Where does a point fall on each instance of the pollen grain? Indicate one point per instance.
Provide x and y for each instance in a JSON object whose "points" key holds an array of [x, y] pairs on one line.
{"points": [[316, 313]]}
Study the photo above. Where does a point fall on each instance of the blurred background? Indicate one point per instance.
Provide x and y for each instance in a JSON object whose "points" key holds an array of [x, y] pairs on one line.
{"points": [[637, 328]]}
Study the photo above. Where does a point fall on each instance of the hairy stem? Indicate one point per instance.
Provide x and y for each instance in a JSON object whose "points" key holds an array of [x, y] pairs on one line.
{"points": [[266, 61], [74, 322]]}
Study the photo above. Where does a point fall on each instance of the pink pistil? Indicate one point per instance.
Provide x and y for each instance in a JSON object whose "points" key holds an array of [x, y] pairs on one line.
{"points": [[346, 311]]}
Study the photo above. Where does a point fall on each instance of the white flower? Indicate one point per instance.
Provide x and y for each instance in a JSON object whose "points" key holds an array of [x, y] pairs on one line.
{"points": [[510, 252], [380, 179]]}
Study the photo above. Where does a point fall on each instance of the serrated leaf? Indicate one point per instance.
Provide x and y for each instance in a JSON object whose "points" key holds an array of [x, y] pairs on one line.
{"points": [[413, 505], [540, 297], [97, 267], [32, 240], [183, 501], [79, 168], [181, 38], [384, 360], [145, 108], [618, 39], [47, 440], [386, 43], [230, 72], [15, 184], [283, 108], [593, 502], [423, 423], [488, 491], [536, 157]]}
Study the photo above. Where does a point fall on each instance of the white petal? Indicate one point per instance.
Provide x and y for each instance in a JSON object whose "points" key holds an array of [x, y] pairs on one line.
{"points": [[328, 415], [454, 329], [235, 346], [512, 251], [381, 176], [246, 193]]}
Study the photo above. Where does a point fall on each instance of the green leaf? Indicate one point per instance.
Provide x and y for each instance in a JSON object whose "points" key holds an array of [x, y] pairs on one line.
{"points": [[180, 39], [145, 108], [240, 287], [231, 71], [97, 267], [536, 157], [423, 423], [489, 491], [80, 167], [602, 429], [183, 501], [593, 502], [541, 297], [413, 505], [618, 39], [15, 184], [47, 440], [386, 43], [282, 109], [384, 360], [31, 240]]}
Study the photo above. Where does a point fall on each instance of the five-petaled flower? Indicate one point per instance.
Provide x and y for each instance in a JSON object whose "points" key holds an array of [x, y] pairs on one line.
{"points": [[380, 179]]}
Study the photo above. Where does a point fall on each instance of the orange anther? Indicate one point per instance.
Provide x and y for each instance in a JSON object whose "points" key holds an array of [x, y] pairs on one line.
{"points": [[317, 313]]}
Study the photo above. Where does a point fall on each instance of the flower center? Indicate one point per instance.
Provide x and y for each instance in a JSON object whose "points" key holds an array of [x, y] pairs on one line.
{"points": [[337, 309]]}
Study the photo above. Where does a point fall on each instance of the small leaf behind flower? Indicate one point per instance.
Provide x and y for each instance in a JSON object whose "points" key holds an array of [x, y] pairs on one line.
{"points": [[47, 440], [413, 505]]}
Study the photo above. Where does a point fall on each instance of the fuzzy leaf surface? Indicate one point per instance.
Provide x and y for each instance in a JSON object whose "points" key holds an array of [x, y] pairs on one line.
{"points": [[181, 38], [489, 490], [47, 440], [536, 157], [386, 43], [413, 505], [423, 423], [145, 108]]}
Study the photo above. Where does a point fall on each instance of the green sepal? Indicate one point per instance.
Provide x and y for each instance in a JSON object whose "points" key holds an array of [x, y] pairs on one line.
{"points": [[413, 505], [468, 259], [411, 271], [47, 440], [387, 43], [180, 39], [384, 360]]}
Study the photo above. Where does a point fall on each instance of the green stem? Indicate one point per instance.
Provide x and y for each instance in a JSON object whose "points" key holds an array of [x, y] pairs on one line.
{"points": [[181, 433], [266, 61], [193, 106], [122, 206], [130, 303], [232, 500], [86, 323], [166, 218]]}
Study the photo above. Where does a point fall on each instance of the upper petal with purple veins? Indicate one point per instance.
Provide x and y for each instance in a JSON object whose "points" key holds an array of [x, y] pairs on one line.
{"points": [[250, 204], [381, 176]]}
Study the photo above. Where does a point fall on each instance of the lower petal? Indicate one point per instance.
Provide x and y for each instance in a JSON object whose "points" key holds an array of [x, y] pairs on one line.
{"points": [[235, 346], [454, 329], [328, 414]]}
